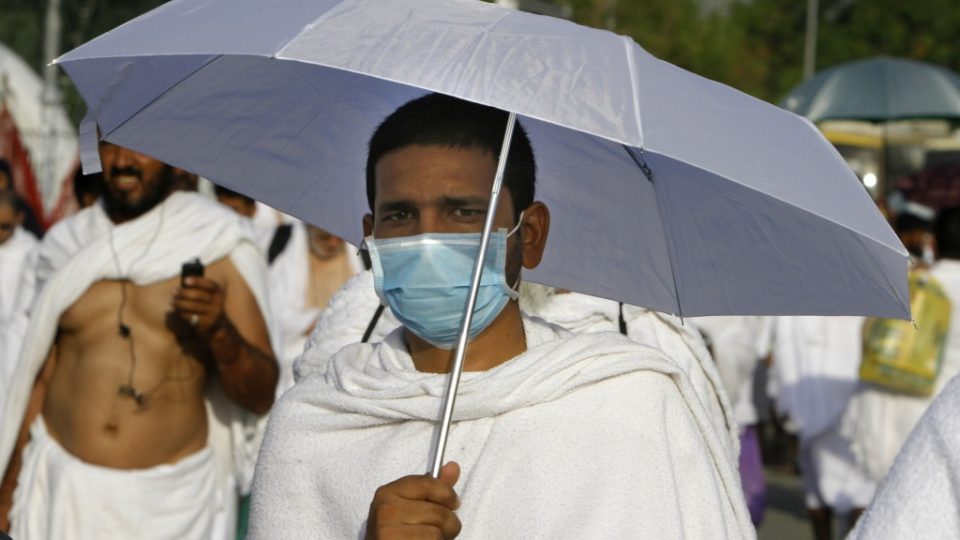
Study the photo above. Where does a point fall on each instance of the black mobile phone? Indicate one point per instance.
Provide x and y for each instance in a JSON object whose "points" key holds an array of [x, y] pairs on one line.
{"points": [[190, 268]]}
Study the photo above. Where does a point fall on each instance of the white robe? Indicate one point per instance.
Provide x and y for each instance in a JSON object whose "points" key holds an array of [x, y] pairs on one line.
{"points": [[817, 362], [581, 436], [350, 311], [289, 282], [920, 497], [76, 253], [180, 500], [18, 259], [734, 345], [878, 421]]}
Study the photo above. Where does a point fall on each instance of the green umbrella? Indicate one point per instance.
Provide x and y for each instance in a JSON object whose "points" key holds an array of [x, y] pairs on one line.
{"points": [[878, 90]]}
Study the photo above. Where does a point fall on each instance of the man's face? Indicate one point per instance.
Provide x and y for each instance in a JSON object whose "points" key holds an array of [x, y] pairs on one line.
{"points": [[134, 182], [239, 205], [8, 222], [324, 245], [432, 189], [5, 182]]}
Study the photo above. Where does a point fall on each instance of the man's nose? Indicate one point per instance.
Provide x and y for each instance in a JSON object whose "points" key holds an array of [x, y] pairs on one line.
{"points": [[123, 157], [429, 222]]}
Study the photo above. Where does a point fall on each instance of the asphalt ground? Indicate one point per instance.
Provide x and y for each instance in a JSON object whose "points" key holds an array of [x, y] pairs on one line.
{"points": [[785, 517]]}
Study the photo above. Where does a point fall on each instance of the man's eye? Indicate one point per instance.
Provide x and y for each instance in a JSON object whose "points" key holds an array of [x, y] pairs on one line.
{"points": [[468, 212], [397, 216]]}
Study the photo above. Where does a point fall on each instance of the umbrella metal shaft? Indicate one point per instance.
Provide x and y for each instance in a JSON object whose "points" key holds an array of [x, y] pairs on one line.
{"points": [[457, 369]]}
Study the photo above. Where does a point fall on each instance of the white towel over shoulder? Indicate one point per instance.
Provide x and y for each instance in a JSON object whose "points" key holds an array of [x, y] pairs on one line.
{"points": [[581, 436], [351, 310]]}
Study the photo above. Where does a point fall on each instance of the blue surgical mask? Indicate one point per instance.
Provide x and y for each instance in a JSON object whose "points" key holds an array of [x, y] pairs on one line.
{"points": [[425, 280]]}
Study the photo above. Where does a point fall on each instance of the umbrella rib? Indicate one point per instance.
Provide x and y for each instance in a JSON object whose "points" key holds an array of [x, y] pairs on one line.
{"points": [[162, 94], [642, 165], [629, 44]]}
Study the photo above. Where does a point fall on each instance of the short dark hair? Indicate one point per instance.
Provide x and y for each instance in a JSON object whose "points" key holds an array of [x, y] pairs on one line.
{"points": [[441, 120], [946, 229], [908, 222], [221, 191]]}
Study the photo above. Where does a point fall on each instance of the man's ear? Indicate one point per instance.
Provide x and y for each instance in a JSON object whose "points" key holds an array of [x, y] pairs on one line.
{"points": [[535, 228], [367, 225]]}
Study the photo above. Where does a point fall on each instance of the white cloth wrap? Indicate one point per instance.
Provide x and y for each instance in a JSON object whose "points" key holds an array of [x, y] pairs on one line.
{"points": [[878, 421], [734, 346], [289, 285], [920, 496], [80, 500], [18, 257], [581, 436], [18, 260], [76, 253], [350, 311], [816, 363], [343, 323]]}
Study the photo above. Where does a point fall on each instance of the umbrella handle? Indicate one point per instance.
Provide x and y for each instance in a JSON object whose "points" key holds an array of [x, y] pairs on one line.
{"points": [[454, 382]]}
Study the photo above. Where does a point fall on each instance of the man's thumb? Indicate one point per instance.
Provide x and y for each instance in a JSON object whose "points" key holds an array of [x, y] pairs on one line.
{"points": [[450, 473]]}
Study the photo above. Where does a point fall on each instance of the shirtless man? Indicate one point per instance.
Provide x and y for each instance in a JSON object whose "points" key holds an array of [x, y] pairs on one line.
{"points": [[124, 380]]}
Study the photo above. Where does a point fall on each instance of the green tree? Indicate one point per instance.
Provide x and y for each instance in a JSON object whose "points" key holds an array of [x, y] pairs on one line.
{"points": [[22, 30]]}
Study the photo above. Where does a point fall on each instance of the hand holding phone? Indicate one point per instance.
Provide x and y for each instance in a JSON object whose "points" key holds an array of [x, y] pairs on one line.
{"points": [[192, 268]]}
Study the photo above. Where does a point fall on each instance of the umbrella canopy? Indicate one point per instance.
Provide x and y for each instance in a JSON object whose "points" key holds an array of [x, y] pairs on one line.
{"points": [[667, 190], [878, 90]]}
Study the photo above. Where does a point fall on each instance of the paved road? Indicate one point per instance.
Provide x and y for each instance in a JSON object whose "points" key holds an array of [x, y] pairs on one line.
{"points": [[786, 516]]}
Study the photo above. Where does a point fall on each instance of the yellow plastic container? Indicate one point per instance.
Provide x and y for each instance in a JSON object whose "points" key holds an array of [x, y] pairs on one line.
{"points": [[902, 357]]}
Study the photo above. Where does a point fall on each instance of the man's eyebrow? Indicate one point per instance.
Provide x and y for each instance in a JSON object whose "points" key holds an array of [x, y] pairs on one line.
{"points": [[395, 206], [448, 201]]}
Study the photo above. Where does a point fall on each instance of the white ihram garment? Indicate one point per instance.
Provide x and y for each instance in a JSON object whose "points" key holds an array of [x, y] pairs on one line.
{"points": [[76, 253], [581, 436], [817, 362], [920, 497], [80, 500], [18, 259], [350, 311], [289, 284], [878, 421], [734, 347]]}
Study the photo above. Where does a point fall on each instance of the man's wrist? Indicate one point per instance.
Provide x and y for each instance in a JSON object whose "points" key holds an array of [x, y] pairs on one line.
{"points": [[224, 342]]}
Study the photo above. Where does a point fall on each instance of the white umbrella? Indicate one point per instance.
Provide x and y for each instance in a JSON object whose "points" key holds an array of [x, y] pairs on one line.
{"points": [[666, 190]]}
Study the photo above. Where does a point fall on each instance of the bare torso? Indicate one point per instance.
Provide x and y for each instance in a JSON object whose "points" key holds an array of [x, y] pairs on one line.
{"points": [[83, 408]]}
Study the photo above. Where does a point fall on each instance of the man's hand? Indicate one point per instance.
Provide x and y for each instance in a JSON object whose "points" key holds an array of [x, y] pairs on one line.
{"points": [[200, 304], [416, 507]]}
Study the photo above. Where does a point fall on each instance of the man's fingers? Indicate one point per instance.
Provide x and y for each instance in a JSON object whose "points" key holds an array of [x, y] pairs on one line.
{"points": [[419, 488], [396, 511], [195, 294], [193, 306], [203, 283], [413, 532]]}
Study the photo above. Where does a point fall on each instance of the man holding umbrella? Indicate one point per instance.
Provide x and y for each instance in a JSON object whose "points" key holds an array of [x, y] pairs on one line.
{"points": [[554, 435]]}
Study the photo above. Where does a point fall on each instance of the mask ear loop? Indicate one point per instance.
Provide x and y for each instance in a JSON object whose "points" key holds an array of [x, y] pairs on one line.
{"points": [[516, 284], [517, 226]]}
